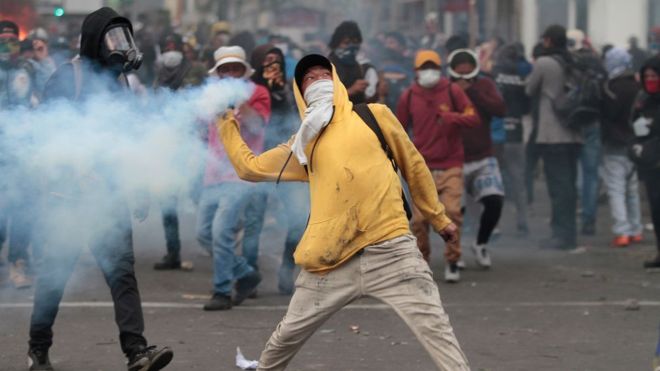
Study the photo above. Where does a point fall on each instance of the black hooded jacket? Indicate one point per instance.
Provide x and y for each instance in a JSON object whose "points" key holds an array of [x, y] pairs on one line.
{"points": [[281, 99], [95, 76], [648, 105]]}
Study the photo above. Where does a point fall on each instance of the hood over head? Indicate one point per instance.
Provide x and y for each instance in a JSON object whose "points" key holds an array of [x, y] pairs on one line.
{"points": [[617, 61], [340, 97], [652, 63], [93, 29], [257, 61]]}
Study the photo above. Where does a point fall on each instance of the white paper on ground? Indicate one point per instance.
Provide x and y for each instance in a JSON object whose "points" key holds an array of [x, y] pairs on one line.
{"points": [[243, 363]]}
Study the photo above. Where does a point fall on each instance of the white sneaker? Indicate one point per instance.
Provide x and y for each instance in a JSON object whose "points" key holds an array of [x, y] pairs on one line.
{"points": [[481, 254], [452, 273], [461, 264]]}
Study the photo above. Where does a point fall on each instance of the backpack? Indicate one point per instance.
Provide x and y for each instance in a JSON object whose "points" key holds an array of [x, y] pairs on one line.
{"points": [[368, 117], [580, 101]]}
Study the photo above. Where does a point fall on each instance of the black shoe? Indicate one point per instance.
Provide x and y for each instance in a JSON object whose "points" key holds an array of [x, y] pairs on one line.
{"points": [[38, 360], [246, 286], [218, 302], [652, 264], [589, 229], [169, 262], [150, 359], [557, 244]]}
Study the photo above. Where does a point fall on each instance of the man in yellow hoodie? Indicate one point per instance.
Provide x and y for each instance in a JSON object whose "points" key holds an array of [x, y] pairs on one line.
{"points": [[358, 241]]}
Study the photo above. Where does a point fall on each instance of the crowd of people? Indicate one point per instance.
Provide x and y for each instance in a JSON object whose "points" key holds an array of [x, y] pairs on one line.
{"points": [[480, 119]]}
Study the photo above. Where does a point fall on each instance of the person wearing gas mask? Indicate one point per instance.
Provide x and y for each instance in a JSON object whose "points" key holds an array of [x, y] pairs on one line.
{"points": [[107, 51], [16, 218], [483, 180], [433, 110], [228, 205], [270, 73], [174, 72], [361, 79], [358, 241]]}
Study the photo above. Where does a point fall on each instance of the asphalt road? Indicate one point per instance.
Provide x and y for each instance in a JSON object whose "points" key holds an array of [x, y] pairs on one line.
{"points": [[534, 310]]}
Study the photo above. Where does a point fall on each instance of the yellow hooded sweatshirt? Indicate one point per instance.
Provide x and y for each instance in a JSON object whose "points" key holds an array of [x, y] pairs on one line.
{"points": [[355, 193]]}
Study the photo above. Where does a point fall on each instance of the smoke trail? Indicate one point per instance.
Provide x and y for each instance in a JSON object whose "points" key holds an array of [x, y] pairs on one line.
{"points": [[83, 158]]}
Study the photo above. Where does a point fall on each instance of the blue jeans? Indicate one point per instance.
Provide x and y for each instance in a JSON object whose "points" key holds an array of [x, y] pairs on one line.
{"points": [[623, 191], [589, 162], [295, 199], [254, 223], [220, 218]]}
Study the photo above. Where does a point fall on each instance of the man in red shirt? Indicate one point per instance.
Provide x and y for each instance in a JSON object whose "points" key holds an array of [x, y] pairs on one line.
{"points": [[224, 206], [434, 110]]}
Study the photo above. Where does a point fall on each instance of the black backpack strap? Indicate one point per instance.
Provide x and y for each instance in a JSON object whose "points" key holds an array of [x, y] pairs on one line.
{"points": [[368, 117]]}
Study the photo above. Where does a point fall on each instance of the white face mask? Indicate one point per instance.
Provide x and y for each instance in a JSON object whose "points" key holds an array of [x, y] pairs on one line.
{"points": [[172, 58], [319, 97], [428, 78], [319, 91]]}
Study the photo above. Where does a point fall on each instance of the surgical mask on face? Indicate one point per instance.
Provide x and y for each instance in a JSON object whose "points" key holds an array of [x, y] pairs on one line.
{"points": [[652, 86], [320, 91], [348, 54], [172, 58], [429, 78]]}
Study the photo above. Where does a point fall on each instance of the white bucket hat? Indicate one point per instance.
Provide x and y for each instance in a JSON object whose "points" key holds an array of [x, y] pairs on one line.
{"points": [[231, 54]]}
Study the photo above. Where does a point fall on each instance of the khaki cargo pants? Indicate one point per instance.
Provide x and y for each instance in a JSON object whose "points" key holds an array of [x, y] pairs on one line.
{"points": [[393, 272], [449, 184]]}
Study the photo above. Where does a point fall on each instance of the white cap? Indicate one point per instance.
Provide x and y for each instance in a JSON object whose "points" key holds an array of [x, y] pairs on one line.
{"points": [[231, 54]]}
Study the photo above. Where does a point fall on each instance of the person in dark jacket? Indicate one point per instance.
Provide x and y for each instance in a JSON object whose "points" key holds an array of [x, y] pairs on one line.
{"points": [[509, 72], [584, 56], [619, 171], [483, 180], [174, 72], [646, 151], [361, 79], [270, 66], [107, 51], [17, 85]]}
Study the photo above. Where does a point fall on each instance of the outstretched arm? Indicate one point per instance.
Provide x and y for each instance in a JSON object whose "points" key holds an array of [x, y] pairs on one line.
{"points": [[264, 167], [414, 169]]}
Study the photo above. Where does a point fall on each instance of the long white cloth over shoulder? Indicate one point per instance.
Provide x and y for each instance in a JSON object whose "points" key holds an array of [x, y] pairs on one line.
{"points": [[318, 114]]}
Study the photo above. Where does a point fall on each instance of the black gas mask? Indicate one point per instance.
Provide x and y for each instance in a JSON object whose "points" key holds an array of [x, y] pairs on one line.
{"points": [[119, 51]]}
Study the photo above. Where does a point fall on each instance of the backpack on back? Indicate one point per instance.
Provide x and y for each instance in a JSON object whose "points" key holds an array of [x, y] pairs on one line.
{"points": [[368, 117], [579, 103]]}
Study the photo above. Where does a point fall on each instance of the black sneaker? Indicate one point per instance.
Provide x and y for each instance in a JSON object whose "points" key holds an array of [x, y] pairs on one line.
{"points": [[652, 264], [246, 286], [38, 360], [218, 302], [169, 262], [557, 244], [150, 359], [589, 229]]}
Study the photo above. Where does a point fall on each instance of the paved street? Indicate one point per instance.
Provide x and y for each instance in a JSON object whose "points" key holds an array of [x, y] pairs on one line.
{"points": [[535, 310]]}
